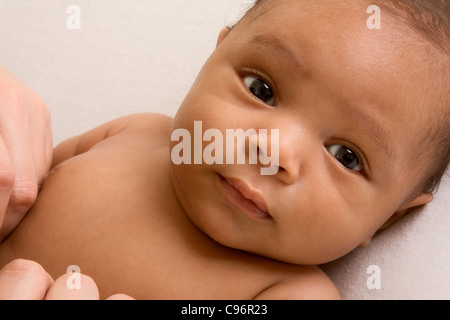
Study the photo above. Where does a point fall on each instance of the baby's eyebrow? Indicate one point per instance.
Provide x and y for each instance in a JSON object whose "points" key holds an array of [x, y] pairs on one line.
{"points": [[375, 131], [275, 44]]}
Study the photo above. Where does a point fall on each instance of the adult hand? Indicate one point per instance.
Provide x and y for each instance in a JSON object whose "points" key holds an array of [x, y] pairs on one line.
{"points": [[27, 280], [25, 149]]}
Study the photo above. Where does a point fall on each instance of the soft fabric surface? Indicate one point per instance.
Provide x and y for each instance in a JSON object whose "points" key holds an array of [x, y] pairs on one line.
{"points": [[143, 55]]}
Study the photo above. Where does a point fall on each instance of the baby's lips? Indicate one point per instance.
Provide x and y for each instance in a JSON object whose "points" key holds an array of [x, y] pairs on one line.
{"points": [[250, 193]]}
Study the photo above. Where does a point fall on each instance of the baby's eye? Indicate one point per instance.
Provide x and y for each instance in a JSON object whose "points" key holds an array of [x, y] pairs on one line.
{"points": [[260, 89], [346, 156]]}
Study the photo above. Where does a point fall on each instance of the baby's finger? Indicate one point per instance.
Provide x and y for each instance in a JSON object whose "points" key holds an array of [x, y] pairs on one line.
{"points": [[64, 288], [24, 280]]}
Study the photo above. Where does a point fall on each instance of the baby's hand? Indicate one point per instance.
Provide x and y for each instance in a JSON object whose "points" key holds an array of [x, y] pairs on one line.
{"points": [[25, 149], [27, 280]]}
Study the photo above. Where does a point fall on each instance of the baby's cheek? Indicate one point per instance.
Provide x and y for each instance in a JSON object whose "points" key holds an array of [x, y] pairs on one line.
{"points": [[327, 231]]}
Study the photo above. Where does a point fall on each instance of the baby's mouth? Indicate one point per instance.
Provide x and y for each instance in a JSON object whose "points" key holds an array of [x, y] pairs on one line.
{"points": [[245, 198]]}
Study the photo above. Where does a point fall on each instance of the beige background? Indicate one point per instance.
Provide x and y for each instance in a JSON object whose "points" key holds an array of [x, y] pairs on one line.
{"points": [[143, 55]]}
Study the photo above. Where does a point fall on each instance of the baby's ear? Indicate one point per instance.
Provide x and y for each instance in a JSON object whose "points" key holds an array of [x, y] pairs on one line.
{"points": [[222, 35], [420, 200]]}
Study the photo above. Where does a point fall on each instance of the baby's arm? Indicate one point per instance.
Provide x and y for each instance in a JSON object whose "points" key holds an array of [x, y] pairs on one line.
{"points": [[84, 142], [312, 284]]}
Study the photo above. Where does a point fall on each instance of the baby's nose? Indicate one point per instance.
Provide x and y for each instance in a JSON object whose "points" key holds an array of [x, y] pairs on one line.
{"points": [[291, 147], [277, 155]]}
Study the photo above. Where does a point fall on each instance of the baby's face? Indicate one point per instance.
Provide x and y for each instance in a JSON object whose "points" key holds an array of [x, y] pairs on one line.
{"points": [[349, 104]]}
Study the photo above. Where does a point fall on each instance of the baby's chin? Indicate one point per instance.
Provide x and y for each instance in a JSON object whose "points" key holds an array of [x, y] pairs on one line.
{"points": [[298, 257], [225, 240], [221, 236]]}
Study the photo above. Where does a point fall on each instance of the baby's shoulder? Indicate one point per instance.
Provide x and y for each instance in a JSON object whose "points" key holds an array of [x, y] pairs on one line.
{"points": [[149, 128], [306, 283], [154, 123]]}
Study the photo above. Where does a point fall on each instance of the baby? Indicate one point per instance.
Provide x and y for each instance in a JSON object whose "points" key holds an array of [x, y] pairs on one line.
{"points": [[359, 121]]}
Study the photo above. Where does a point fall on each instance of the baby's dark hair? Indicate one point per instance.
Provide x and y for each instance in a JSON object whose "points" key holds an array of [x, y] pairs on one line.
{"points": [[430, 19]]}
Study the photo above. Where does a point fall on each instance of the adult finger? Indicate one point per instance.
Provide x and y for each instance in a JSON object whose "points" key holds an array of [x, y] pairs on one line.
{"points": [[16, 135], [120, 296], [21, 194], [6, 182], [24, 280], [64, 289], [15, 131], [41, 136]]}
